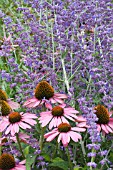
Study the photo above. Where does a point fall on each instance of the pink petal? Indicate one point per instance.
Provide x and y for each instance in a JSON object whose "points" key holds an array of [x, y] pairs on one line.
{"points": [[52, 100], [3, 125], [62, 105], [28, 115], [22, 162], [80, 119], [71, 115], [110, 124], [64, 120], [62, 96], [59, 121], [59, 137], [43, 114], [16, 127], [48, 105], [45, 121], [98, 128], [29, 121], [109, 129], [75, 136], [67, 116], [65, 139], [36, 104], [78, 129], [13, 130], [8, 129], [71, 110], [52, 123], [104, 128], [24, 125], [50, 133], [58, 100], [51, 137], [13, 105], [82, 124]]}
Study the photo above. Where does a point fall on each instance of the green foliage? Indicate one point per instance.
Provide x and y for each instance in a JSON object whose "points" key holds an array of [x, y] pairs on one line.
{"points": [[60, 163]]}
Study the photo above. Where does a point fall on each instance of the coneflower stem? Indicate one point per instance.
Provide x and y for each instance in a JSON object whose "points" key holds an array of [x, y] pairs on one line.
{"points": [[20, 148], [69, 160], [42, 138]]}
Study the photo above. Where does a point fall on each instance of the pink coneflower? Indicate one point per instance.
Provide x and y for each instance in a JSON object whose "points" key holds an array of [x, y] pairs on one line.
{"points": [[15, 120], [65, 132], [44, 94], [104, 123], [22, 136], [7, 162], [57, 115], [3, 97]]}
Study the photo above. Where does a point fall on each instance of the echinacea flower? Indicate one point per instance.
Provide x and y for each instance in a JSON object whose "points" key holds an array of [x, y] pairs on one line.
{"points": [[44, 94], [7, 162], [22, 136], [105, 122], [15, 120], [57, 115], [65, 132], [3, 97]]}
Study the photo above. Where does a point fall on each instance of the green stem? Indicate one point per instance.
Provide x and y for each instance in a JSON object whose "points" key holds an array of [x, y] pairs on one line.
{"points": [[42, 138], [69, 160], [83, 149], [17, 137], [55, 150], [93, 158]]}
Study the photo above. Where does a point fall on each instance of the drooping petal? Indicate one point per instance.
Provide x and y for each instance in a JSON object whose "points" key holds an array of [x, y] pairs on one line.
{"points": [[13, 105], [75, 136], [109, 129], [65, 139], [82, 124], [104, 128], [62, 96], [80, 119], [3, 125], [16, 127], [78, 129], [64, 120], [51, 137], [8, 129], [50, 133], [58, 100], [71, 110], [59, 137], [67, 116], [24, 125], [29, 115], [59, 121], [48, 105], [29, 121], [98, 127], [52, 123]]}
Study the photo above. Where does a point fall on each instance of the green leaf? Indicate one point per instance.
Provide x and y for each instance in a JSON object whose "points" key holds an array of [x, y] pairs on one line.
{"points": [[26, 150], [29, 161], [64, 54], [58, 162]]}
